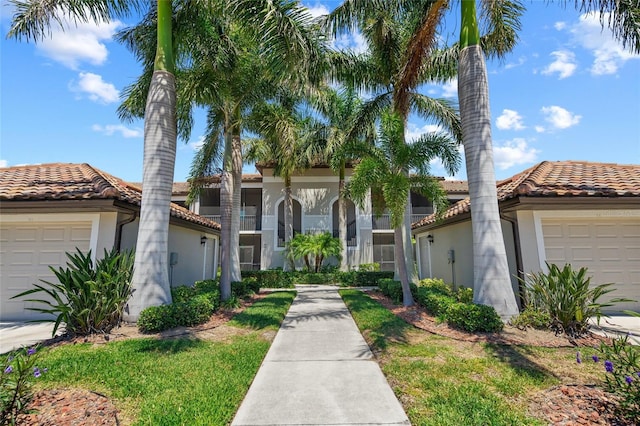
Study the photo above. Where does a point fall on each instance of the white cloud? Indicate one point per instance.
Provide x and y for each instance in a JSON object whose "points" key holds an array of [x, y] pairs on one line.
{"points": [[608, 53], [354, 41], [509, 120], [559, 117], [196, 145], [539, 129], [4, 163], [521, 60], [560, 25], [450, 88], [97, 89], [80, 43], [413, 132], [564, 65], [513, 153], [317, 9], [111, 129]]}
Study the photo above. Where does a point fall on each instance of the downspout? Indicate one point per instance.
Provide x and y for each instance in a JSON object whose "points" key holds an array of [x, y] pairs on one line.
{"points": [[519, 266], [119, 227], [204, 260]]}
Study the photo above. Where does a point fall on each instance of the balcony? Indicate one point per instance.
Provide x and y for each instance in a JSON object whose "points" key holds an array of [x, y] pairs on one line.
{"points": [[248, 222], [383, 222]]}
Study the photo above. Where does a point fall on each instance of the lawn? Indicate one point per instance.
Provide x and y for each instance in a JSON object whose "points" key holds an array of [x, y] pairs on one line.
{"points": [[441, 381], [173, 381]]}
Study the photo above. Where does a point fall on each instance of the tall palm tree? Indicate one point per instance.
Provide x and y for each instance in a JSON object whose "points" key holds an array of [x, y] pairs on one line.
{"points": [[285, 131], [151, 279], [384, 169], [389, 28]]}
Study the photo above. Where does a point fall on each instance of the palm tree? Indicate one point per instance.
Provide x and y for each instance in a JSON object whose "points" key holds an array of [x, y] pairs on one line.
{"points": [[151, 279], [384, 169], [390, 29], [285, 131]]}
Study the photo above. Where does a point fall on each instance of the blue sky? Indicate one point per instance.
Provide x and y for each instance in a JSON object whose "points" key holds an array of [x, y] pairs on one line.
{"points": [[567, 92]]}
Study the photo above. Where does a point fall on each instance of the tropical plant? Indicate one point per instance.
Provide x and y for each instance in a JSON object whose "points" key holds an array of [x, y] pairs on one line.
{"points": [[622, 377], [89, 296], [313, 249], [383, 169], [17, 372], [568, 297]]}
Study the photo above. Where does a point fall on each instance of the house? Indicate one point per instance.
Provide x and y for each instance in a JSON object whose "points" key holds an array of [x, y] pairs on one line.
{"points": [[315, 209], [585, 214], [50, 209]]}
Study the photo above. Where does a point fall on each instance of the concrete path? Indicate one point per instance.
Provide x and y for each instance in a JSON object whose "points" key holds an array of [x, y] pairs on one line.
{"points": [[14, 335], [319, 371]]}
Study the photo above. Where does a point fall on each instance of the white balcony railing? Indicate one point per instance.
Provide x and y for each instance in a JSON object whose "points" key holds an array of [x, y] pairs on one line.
{"points": [[247, 222], [384, 221]]}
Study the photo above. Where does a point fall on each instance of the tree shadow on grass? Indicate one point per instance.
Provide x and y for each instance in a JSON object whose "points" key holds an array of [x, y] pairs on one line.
{"points": [[520, 359], [166, 346], [376, 323], [265, 313]]}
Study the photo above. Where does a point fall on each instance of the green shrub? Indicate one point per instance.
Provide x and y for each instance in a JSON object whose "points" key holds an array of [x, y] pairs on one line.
{"points": [[464, 295], [622, 377], [436, 285], [393, 289], [196, 310], [367, 278], [345, 278], [238, 288], [89, 297], [314, 278], [435, 302], [369, 267], [182, 293], [472, 318], [206, 286], [252, 285], [156, 318], [272, 278], [532, 318], [568, 297], [17, 372]]}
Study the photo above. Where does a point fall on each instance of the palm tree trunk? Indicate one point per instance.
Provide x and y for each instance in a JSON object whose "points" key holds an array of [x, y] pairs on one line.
{"points": [[342, 221], [236, 155], [150, 281], [226, 212], [492, 285], [407, 242], [288, 219], [401, 267]]}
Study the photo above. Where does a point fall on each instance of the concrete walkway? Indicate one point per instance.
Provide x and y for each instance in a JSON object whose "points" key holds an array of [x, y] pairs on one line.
{"points": [[319, 371]]}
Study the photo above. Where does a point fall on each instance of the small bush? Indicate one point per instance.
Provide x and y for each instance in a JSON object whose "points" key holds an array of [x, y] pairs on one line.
{"points": [[436, 285], [568, 297], [345, 278], [17, 373], [156, 318], [472, 318], [366, 278], [434, 302], [206, 286], [182, 293], [238, 288], [622, 377], [314, 278], [393, 289], [532, 318], [272, 278], [464, 295], [252, 285], [196, 310], [188, 310], [89, 297], [369, 267]]}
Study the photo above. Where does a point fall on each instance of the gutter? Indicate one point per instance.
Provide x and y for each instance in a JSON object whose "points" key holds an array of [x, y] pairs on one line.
{"points": [[119, 226]]}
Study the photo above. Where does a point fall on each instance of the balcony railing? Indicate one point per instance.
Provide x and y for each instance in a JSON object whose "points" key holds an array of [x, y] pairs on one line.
{"points": [[248, 222], [384, 221]]}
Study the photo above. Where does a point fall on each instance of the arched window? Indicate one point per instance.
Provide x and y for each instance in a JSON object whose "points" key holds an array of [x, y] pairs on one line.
{"points": [[297, 220], [352, 240]]}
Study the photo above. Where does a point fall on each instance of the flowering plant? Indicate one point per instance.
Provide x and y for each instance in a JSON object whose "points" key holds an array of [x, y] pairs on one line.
{"points": [[18, 371]]}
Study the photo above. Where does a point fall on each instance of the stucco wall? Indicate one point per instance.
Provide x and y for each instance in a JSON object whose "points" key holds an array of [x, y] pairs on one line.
{"points": [[458, 237]]}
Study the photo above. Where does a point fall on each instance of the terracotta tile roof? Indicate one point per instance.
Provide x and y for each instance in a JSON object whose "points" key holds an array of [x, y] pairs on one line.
{"points": [[560, 179], [455, 186], [61, 181]]}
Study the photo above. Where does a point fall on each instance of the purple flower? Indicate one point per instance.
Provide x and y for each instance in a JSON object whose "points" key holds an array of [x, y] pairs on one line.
{"points": [[8, 370], [578, 359], [36, 372], [628, 379], [31, 351], [608, 365], [595, 358], [638, 374]]}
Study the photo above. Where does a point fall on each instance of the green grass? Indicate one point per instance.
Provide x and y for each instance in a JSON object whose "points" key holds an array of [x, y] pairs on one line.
{"points": [[441, 381], [172, 381]]}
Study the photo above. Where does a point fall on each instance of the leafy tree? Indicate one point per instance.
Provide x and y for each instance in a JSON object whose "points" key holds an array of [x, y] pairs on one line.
{"points": [[383, 169], [316, 247]]}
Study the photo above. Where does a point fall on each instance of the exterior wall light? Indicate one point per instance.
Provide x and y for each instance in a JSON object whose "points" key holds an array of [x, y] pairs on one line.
{"points": [[430, 238], [203, 240]]}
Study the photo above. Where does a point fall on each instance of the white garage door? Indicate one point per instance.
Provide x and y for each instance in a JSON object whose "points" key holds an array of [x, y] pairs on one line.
{"points": [[609, 248], [26, 251]]}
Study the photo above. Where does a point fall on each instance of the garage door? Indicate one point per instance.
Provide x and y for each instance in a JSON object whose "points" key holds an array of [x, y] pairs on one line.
{"points": [[26, 251], [609, 248]]}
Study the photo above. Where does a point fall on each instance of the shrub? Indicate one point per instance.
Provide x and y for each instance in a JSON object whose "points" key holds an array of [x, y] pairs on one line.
{"points": [[156, 318], [238, 289], [436, 285], [182, 293], [471, 317], [435, 302], [532, 317], [196, 310], [18, 371], [345, 278], [252, 285], [272, 278], [206, 286], [464, 295], [393, 289], [366, 278], [88, 298], [314, 278], [369, 267], [567, 296]]}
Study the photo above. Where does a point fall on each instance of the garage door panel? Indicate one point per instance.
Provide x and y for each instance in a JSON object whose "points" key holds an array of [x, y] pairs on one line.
{"points": [[608, 247], [28, 250]]}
